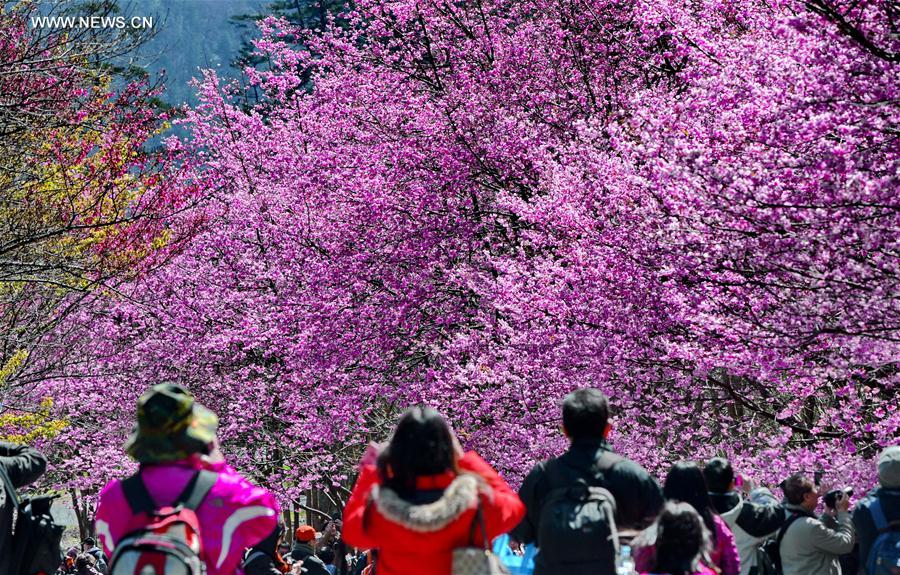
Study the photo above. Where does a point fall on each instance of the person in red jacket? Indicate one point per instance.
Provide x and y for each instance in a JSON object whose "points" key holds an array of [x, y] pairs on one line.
{"points": [[416, 500]]}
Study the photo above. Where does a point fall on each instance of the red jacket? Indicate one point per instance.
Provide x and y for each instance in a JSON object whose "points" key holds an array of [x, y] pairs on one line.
{"points": [[420, 538]]}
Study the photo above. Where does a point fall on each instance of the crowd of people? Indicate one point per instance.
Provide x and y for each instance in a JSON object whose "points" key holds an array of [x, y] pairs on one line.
{"points": [[423, 505], [89, 560]]}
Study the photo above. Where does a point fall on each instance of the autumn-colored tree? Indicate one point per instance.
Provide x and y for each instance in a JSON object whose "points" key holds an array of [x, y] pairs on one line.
{"points": [[83, 201]]}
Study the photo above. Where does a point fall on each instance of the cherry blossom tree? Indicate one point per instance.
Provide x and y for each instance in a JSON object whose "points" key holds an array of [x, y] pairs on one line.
{"points": [[485, 205]]}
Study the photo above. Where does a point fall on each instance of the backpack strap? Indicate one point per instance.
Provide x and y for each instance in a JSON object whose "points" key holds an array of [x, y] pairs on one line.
{"points": [[784, 528], [780, 537], [478, 521], [140, 500], [882, 525], [878, 517], [197, 489], [137, 496]]}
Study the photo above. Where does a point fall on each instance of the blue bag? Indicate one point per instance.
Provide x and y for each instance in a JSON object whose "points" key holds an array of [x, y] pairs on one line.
{"points": [[517, 564], [884, 557]]}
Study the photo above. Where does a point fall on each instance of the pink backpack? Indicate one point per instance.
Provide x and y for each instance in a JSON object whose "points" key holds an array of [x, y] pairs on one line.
{"points": [[162, 540]]}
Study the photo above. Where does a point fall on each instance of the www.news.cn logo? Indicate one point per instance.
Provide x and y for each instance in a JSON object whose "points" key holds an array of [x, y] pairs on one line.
{"points": [[72, 22]]}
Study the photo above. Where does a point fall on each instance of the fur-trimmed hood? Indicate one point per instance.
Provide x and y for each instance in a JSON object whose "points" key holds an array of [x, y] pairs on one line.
{"points": [[460, 496], [417, 537]]}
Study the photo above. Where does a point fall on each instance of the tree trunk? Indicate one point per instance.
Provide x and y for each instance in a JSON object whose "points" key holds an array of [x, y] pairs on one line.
{"points": [[82, 514], [319, 508], [287, 515]]}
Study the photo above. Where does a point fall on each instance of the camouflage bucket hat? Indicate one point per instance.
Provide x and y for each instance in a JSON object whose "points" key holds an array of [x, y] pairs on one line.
{"points": [[170, 425]]}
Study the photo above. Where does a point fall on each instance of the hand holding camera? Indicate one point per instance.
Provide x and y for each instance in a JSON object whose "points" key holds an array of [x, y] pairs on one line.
{"points": [[838, 499]]}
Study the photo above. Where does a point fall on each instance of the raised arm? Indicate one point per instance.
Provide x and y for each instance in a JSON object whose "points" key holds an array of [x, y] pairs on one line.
{"points": [[23, 464]]}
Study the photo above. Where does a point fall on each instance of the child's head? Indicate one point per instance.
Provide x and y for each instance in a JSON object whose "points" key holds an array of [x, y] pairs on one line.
{"points": [[681, 539]]}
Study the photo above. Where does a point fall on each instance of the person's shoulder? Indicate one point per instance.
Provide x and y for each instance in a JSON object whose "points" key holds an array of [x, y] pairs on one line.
{"points": [[798, 520], [111, 486], [758, 509], [231, 484], [539, 469], [472, 461], [866, 502], [623, 465], [810, 522], [110, 493], [256, 558], [879, 494], [233, 495], [888, 498]]}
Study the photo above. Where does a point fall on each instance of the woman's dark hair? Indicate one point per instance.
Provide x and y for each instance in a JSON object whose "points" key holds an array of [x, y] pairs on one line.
{"points": [[685, 483], [680, 539], [422, 444]]}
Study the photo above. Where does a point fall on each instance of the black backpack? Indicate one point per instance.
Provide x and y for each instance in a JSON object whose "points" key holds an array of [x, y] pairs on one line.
{"points": [[577, 527], [36, 537], [768, 558]]}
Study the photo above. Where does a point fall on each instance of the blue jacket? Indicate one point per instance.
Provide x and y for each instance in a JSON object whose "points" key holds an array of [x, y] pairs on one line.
{"points": [[862, 518]]}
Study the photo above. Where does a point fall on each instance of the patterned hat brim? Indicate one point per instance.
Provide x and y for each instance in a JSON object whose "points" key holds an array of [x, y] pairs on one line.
{"points": [[195, 438]]}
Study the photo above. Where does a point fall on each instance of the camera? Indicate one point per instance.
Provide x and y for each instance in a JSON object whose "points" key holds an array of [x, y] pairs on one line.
{"points": [[831, 497]]}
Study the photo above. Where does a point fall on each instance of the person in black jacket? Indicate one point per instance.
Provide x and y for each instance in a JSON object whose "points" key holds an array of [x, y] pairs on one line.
{"points": [[638, 497], [23, 465], [303, 550], [263, 558], [751, 522]]}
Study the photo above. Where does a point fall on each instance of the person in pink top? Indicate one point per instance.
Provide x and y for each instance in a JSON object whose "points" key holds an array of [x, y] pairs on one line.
{"points": [[174, 441], [685, 483], [681, 541]]}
